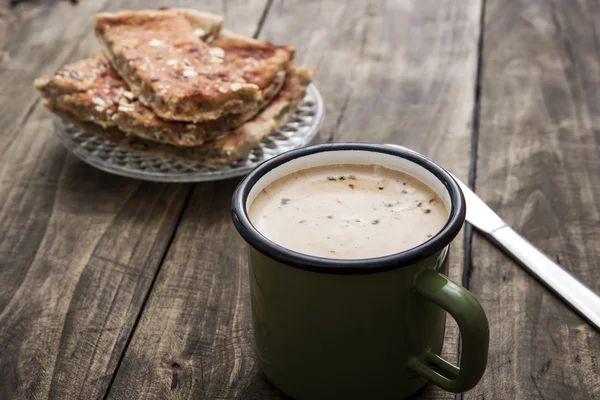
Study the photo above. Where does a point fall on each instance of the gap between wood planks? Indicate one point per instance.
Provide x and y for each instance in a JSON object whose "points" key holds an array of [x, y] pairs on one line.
{"points": [[468, 256], [259, 27]]}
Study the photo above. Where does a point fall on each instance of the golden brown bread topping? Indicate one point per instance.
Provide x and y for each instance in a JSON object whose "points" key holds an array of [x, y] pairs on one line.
{"points": [[180, 76], [162, 50], [257, 62]]}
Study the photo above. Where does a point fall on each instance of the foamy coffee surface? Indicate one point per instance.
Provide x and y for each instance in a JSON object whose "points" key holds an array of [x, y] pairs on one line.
{"points": [[348, 211]]}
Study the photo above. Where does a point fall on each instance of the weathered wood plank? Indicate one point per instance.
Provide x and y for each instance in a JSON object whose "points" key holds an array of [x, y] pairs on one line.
{"points": [[389, 72], [36, 46], [13, 17], [539, 167], [79, 248]]}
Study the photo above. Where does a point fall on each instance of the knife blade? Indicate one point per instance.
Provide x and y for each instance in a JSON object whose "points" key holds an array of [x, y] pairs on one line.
{"points": [[582, 299]]}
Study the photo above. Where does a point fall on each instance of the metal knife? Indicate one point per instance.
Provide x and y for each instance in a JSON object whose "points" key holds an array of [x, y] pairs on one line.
{"points": [[578, 296]]}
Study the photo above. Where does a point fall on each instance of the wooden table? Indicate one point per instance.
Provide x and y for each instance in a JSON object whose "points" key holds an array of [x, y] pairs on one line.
{"points": [[121, 289]]}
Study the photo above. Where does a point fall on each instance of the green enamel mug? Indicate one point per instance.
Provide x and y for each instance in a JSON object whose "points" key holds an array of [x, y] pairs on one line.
{"points": [[366, 328]]}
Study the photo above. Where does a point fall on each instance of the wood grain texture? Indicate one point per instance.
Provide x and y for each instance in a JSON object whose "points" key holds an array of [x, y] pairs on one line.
{"points": [[12, 18], [194, 339], [539, 167], [36, 46], [79, 248]]}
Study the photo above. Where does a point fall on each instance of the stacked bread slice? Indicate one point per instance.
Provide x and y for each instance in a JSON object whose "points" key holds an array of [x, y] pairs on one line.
{"points": [[172, 83]]}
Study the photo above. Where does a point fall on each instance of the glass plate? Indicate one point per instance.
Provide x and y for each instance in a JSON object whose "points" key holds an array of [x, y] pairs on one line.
{"points": [[298, 131]]}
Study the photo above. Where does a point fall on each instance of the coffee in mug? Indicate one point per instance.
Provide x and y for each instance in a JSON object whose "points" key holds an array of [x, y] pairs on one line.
{"points": [[348, 211]]}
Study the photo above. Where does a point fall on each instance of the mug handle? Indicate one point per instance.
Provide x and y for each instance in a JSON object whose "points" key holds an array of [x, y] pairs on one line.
{"points": [[474, 328]]}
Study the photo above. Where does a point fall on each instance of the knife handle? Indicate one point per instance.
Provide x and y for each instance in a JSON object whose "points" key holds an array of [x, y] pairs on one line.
{"points": [[577, 295]]}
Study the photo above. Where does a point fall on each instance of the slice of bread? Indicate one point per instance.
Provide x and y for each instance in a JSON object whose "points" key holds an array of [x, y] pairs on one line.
{"points": [[181, 77]]}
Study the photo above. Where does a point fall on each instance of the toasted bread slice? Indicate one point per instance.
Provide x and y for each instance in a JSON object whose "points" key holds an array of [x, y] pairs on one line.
{"points": [[178, 75], [220, 152], [92, 91]]}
